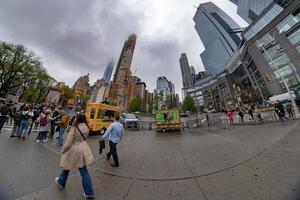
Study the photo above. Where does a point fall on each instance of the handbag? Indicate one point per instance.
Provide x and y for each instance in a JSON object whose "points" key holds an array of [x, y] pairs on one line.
{"points": [[101, 146], [88, 155]]}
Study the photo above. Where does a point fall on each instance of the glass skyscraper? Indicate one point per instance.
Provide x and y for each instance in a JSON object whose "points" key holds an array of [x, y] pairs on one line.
{"points": [[213, 26], [185, 71], [108, 73], [250, 9]]}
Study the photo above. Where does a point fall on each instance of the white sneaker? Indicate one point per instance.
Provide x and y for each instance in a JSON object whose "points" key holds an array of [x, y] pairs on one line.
{"points": [[60, 187], [88, 196], [45, 140], [38, 141]]}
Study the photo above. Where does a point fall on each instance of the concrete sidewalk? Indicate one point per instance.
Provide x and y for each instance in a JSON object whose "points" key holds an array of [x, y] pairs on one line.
{"points": [[249, 162]]}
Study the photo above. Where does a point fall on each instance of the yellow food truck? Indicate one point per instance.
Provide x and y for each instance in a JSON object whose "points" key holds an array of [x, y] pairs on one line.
{"points": [[100, 116]]}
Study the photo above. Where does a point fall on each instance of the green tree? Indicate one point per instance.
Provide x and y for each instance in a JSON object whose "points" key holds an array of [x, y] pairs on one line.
{"points": [[66, 95], [37, 90], [189, 104], [155, 102], [21, 70], [84, 100], [135, 105]]}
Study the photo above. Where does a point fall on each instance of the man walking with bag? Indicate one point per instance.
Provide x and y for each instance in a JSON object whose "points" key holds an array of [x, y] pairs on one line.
{"points": [[114, 133]]}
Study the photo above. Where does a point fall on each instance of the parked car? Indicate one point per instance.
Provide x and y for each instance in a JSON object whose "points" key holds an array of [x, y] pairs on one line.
{"points": [[129, 120]]}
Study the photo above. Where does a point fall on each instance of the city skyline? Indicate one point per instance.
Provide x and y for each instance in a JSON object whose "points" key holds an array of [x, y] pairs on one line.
{"points": [[76, 44]]}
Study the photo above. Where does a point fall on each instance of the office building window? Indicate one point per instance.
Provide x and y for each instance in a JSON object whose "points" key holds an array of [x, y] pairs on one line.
{"points": [[272, 52], [252, 68], [289, 22], [281, 60], [284, 3], [246, 60], [295, 39], [261, 23], [227, 28], [252, 15], [267, 41], [284, 71]]}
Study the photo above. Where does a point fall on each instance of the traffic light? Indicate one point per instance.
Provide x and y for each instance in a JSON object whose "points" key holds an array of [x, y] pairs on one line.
{"points": [[268, 77]]}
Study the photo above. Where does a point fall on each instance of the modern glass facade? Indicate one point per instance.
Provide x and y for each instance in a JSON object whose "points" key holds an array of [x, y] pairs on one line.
{"points": [[273, 11], [213, 26]]}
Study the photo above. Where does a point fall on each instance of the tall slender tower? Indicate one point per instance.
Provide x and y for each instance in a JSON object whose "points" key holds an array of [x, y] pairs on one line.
{"points": [[120, 89], [185, 71], [108, 72]]}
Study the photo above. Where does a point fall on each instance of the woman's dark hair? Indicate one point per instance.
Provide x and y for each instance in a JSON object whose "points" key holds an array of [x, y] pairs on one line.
{"points": [[80, 118]]}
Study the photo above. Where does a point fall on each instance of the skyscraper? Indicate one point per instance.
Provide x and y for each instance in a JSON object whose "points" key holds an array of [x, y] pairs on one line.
{"points": [[120, 89], [250, 9], [108, 72], [82, 84], [213, 26], [185, 71], [193, 75]]}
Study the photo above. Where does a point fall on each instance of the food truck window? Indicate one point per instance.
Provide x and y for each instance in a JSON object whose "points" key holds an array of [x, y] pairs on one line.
{"points": [[100, 114], [93, 111]]}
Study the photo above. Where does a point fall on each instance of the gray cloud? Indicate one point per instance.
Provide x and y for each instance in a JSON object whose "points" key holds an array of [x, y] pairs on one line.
{"points": [[74, 37]]}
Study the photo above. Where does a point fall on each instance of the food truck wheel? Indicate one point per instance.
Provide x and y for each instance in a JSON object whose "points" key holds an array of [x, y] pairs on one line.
{"points": [[102, 131]]}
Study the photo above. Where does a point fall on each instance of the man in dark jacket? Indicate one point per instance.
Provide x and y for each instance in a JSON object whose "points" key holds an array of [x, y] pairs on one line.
{"points": [[54, 115], [279, 109], [5, 112]]}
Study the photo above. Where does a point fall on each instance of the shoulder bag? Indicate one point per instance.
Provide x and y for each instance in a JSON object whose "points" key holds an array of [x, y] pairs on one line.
{"points": [[88, 155]]}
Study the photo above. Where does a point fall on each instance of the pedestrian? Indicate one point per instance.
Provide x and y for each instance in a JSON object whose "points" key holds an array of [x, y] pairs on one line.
{"points": [[16, 115], [241, 114], [250, 112], [77, 154], [114, 133], [289, 109], [5, 113], [279, 109], [54, 116], [45, 125], [258, 114], [37, 121], [25, 120], [230, 116], [33, 119], [63, 123]]}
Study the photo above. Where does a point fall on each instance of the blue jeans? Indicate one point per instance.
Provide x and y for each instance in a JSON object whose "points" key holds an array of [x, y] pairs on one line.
{"points": [[42, 135], [85, 177], [61, 135], [23, 127]]}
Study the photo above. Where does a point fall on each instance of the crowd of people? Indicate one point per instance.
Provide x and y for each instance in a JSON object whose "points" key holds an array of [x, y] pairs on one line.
{"points": [[254, 113], [43, 119], [75, 152]]}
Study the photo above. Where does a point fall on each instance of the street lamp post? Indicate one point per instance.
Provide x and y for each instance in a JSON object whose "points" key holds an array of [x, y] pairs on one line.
{"points": [[297, 114]]}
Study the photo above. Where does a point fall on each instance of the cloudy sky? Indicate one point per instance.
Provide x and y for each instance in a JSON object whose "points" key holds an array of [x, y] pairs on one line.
{"points": [[76, 37]]}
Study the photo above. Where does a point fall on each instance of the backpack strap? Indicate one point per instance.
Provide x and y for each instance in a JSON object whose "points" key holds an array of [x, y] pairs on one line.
{"points": [[81, 133]]}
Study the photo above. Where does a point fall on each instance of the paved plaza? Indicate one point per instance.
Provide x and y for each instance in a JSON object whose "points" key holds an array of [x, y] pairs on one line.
{"points": [[237, 163]]}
